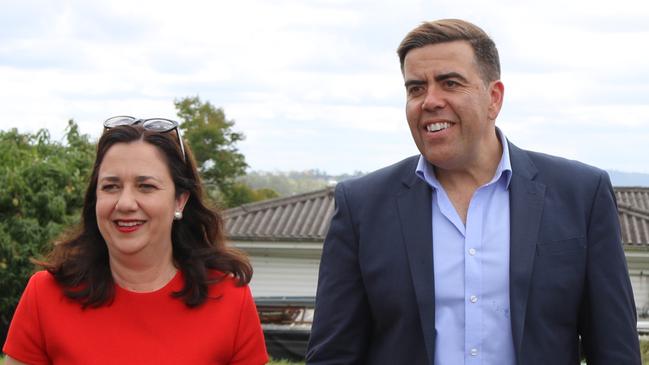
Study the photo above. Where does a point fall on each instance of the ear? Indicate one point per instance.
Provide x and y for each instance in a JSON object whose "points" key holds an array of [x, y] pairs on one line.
{"points": [[496, 94], [181, 200]]}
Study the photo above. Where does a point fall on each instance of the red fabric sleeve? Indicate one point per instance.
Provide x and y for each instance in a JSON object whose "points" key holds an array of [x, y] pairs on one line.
{"points": [[25, 341], [250, 348]]}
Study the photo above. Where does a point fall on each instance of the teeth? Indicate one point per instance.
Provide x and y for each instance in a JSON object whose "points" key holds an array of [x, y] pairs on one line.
{"points": [[128, 224], [434, 127]]}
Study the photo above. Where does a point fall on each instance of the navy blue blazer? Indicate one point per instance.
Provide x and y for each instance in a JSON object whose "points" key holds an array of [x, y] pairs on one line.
{"points": [[568, 276]]}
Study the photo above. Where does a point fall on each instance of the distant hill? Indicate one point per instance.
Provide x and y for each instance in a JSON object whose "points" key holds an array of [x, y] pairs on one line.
{"points": [[287, 183], [619, 178]]}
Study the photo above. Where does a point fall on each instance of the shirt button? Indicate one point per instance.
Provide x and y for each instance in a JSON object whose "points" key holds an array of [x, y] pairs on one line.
{"points": [[473, 299], [472, 251], [474, 352]]}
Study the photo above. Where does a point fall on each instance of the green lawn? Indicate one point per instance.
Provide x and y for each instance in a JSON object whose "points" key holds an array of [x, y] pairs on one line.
{"points": [[272, 362], [644, 348], [276, 362]]}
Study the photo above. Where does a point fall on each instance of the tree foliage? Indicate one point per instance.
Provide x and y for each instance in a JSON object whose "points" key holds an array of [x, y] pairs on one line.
{"points": [[213, 142], [240, 194], [42, 183]]}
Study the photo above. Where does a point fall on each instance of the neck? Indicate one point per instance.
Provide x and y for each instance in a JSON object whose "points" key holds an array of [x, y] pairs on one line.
{"points": [[142, 277], [476, 172]]}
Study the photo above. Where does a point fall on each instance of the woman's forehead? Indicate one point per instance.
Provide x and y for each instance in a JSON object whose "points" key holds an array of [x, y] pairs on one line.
{"points": [[136, 160]]}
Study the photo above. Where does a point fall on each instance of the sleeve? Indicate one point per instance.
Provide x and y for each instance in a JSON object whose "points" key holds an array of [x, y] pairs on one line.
{"points": [[250, 348], [25, 341], [342, 323], [609, 334]]}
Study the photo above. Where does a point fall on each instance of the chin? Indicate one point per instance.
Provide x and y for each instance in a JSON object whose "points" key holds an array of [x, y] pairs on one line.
{"points": [[439, 156], [128, 250], [124, 247], [435, 159]]}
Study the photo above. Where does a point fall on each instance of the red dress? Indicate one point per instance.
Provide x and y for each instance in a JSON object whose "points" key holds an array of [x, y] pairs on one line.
{"points": [[136, 328]]}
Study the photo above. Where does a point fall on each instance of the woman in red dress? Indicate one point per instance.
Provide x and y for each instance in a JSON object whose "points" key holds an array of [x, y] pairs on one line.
{"points": [[148, 277]]}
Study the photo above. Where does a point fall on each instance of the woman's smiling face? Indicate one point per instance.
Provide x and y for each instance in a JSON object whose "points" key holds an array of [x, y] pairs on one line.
{"points": [[136, 200]]}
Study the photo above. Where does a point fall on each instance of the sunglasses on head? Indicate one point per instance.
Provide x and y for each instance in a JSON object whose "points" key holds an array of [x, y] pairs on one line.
{"points": [[159, 125]]}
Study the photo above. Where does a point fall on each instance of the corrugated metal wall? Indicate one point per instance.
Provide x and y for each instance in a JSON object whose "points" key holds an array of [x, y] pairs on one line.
{"points": [[283, 276], [640, 285]]}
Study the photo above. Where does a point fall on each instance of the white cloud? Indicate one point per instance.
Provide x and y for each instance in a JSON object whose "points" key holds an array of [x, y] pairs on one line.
{"points": [[317, 84]]}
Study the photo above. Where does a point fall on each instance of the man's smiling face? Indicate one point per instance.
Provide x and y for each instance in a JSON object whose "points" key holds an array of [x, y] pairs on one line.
{"points": [[450, 109]]}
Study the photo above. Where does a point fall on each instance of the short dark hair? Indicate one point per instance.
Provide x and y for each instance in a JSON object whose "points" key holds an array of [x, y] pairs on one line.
{"points": [[449, 30], [79, 262]]}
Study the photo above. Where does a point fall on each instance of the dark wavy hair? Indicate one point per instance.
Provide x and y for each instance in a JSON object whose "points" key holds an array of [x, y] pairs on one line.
{"points": [[79, 261], [449, 30]]}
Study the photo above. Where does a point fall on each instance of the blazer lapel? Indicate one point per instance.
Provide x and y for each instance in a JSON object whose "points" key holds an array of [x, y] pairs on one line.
{"points": [[526, 205], [414, 206]]}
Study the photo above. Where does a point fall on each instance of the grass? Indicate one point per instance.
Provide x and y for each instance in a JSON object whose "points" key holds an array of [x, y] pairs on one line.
{"points": [[644, 349], [272, 362], [276, 362]]}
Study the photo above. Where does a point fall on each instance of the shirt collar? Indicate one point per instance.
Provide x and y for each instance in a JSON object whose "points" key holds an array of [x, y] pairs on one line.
{"points": [[426, 172]]}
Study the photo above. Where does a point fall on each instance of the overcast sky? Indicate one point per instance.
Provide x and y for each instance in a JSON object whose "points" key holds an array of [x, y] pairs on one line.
{"points": [[315, 83]]}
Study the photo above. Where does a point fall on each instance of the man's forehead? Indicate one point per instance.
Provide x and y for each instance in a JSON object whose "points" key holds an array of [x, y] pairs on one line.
{"points": [[440, 58], [460, 50]]}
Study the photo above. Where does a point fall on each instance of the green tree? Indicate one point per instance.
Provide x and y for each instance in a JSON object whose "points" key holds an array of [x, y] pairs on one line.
{"points": [[42, 183], [241, 193], [213, 141]]}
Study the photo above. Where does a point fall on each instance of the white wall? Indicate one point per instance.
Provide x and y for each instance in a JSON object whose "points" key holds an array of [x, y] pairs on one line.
{"points": [[284, 276], [640, 285]]}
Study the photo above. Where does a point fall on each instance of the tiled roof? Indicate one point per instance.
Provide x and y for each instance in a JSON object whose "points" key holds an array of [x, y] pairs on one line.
{"points": [[633, 207], [635, 225], [305, 217], [633, 197]]}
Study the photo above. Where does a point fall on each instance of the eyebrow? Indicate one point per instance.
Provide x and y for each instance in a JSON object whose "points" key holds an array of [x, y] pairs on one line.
{"points": [[438, 78], [414, 82], [138, 179], [450, 75]]}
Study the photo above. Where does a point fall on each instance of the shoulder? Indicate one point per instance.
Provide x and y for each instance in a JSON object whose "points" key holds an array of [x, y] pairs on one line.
{"points": [[374, 194], [25, 337], [43, 277], [549, 163], [555, 170], [386, 180], [567, 180], [43, 281]]}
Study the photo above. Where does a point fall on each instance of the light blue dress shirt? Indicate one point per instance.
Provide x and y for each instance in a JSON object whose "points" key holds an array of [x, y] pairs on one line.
{"points": [[471, 271]]}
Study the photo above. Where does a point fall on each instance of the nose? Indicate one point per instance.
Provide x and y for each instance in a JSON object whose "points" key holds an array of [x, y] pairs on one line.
{"points": [[433, 100], [127, 201]]}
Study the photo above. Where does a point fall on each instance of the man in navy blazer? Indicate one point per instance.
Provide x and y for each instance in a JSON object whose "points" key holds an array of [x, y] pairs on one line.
{"points": [[476, 251]]}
